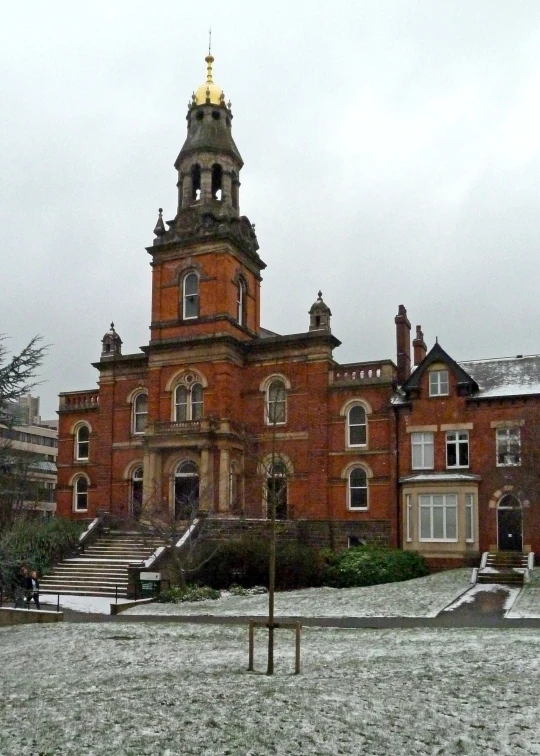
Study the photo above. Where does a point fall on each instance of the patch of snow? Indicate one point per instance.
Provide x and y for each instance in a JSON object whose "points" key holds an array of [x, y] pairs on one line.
{"points": [[423, 597], [431, 477], [151, 559], [185, 537], [528, 603], [183, 690], [91, 604]]}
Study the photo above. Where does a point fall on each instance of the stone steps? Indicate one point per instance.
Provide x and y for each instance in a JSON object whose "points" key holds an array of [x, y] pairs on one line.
{"points": [[101, 569]]}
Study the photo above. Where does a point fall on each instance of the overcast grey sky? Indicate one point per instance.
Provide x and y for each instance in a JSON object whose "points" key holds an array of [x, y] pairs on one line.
{"points": [[392, 155]]}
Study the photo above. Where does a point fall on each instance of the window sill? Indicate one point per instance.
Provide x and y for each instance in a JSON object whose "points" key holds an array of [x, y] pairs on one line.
{"points": [[358, 509], [438, 540]]}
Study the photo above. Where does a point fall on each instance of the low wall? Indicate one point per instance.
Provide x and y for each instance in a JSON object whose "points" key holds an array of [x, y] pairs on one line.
{"points": [[119, 608], [10, 616]]}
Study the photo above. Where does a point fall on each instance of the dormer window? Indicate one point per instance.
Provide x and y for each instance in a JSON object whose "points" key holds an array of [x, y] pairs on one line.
{"points": [[438, 383], [190, 296]]}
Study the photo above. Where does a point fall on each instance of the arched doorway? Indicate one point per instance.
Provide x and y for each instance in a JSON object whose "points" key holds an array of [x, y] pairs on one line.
{"points": [[509, 524], [186, 490], [276, 490]]}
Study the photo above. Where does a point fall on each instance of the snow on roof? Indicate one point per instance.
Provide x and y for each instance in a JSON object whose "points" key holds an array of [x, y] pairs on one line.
{"points": [[505, 376], [438, 477]]}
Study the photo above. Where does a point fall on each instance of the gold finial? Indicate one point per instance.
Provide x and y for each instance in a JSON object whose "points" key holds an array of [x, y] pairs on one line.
{"points": [[208, 93], [209, 60]]}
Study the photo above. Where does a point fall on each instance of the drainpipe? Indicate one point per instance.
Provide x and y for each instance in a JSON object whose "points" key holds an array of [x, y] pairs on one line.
{"points": [[396, 474]]}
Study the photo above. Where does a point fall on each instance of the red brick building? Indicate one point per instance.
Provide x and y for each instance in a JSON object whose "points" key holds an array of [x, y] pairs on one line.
{"points": [[468, 436], [215, 411], [214, 401]]}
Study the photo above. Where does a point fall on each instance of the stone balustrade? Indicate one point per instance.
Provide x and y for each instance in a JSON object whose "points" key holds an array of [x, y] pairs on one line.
{"points": [[364, 372], [79, 400]]}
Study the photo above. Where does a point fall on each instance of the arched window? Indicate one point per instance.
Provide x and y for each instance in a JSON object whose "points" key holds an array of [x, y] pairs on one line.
{"points": [[136, 493], [186, 490], [276, 403], [82, 442], [276, 490], [356, 426], [188, 402], [241, 302], [217, 180], [190, 296], [80, 494], [140, 413], [358, 489], [196, 182]]}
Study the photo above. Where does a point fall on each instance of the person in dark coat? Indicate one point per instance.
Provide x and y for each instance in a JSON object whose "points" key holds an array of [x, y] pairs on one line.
{"points": [[32, 588], [20, 587]]}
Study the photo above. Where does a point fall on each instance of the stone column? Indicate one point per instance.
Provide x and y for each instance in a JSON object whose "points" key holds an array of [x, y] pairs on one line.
{"points": [[206, 185], [206, 481], [152, 480], [224, 469], [226, 189]]}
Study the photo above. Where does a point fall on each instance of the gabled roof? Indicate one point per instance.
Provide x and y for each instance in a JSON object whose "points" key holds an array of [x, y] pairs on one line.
{"points": [[505, 376], [437, 354]]}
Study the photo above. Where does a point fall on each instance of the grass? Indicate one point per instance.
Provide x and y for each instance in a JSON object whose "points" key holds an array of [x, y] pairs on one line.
{"points": [[184, 689]]}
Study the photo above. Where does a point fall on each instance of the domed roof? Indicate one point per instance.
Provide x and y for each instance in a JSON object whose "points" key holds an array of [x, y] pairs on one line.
{"points": [[209, 90], [319, 305]]}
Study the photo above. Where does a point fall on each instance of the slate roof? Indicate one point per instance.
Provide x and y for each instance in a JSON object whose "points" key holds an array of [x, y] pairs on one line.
{"points": [[505, 376]]}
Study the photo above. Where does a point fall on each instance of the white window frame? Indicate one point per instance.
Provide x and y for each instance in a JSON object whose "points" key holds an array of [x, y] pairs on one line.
{"points": [[408, 518], [469, 518], [138, 414], [240, 301], [503, 442], [457, 438], [426, 501], [350, 488], [424, 441], [78, 456], [439, 383], [77, 493], [189, 404], [187, 276], [356, 425], [272, 404]]}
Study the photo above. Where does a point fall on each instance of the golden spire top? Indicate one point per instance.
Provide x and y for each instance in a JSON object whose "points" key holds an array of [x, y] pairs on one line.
{"points": [[209, 60], [209, 93]]}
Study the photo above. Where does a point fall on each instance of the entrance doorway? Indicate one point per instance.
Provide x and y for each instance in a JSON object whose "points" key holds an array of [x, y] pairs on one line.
{"points": [[186, 490], [509, 524]]}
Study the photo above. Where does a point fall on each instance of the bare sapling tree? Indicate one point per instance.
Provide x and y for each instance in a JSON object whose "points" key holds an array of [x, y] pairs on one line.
{"points": [[275, 488]]}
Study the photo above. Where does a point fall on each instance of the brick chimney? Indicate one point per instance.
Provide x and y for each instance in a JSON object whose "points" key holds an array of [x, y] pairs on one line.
{"points": [[403, 343], [419, 345]]}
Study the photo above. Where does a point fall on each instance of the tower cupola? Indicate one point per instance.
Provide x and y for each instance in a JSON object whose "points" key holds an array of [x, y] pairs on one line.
{"points": [[111, 344], [209, 162], [319, 315]]}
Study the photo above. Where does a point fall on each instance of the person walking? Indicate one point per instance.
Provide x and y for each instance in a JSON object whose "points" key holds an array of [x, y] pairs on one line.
{"points": [[20, 587], [32, 588]]}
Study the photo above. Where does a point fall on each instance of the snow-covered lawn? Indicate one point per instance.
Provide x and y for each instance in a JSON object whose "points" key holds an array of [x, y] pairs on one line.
{"points": [[171, 690], [528, 603], [423, 597]]}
